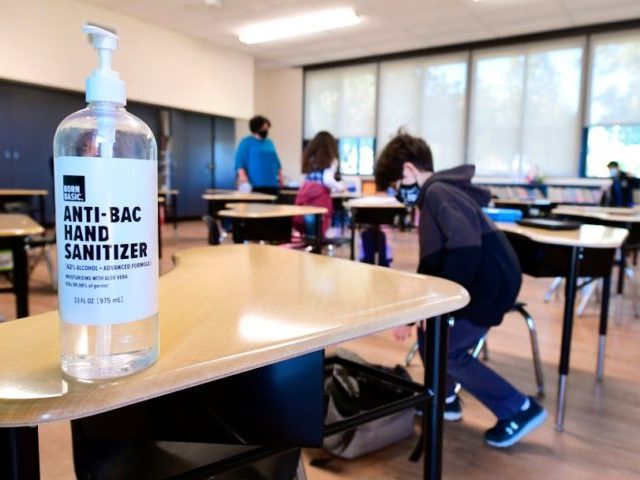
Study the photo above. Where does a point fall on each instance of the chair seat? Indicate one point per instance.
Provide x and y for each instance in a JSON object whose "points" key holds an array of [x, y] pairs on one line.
{"points": [[35, 242]]}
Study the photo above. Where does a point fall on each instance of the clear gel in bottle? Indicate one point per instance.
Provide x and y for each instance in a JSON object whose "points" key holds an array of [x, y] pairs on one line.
{"points": [[106, 227]]}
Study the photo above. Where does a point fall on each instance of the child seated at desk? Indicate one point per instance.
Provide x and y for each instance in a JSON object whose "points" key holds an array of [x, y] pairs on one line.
{"points": [[320, 166], [458, 242]]}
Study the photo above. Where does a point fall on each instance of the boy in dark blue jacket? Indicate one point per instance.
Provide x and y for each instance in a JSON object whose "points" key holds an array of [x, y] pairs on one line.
{"points": [[458, 242]]}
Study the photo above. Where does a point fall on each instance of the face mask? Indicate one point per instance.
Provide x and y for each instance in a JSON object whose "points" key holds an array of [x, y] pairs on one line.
{"points": [[263, 133], [613, 172], [408, 194]]}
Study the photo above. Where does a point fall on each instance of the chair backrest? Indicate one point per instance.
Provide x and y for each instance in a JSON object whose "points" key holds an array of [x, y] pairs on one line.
{"points": [[316, 195], [18, 207]]}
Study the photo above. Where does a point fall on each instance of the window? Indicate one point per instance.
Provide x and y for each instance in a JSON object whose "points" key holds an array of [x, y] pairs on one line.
{"points": [[613, 124], [510, 111], [342, 101], [426, 97], [525, 110], [356, 156]]}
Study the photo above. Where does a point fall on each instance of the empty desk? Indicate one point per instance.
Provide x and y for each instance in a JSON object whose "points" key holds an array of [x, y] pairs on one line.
{"points": [[170, 204], [14, 229], [271, 223], [23, 195], [589, 252], [218, 199], [373, 210], [529, 208], [236, 316], [621, 217]]}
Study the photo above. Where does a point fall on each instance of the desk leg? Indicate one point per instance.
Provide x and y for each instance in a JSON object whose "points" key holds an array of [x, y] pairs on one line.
{"points": [[237, 230], [318, 233], [621, 272], [174, 211], [352, 255], [20, 277], [435, 374], [19, 453], [567, 326], [214, 232], [604, 317], [43, 212]]}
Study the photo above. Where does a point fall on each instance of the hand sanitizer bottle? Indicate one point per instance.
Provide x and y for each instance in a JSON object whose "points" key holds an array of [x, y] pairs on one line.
{"points": [[107, 229]]}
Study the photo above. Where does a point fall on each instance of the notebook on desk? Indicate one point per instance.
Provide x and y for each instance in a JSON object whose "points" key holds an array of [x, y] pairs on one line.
{"points": [[548, 224]]}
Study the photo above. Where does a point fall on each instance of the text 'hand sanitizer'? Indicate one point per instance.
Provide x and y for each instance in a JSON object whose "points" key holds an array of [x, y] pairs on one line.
{"points": [[107, 229]]}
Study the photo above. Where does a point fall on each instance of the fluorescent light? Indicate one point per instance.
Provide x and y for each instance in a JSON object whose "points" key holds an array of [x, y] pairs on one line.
{"points": [[288, 27]]}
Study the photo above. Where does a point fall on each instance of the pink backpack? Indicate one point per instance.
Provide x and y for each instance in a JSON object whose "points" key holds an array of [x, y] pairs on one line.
{"points": [[316, 195]]}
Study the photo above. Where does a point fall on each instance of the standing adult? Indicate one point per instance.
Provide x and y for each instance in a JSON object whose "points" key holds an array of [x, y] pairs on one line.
{"points": [[257, 163]]}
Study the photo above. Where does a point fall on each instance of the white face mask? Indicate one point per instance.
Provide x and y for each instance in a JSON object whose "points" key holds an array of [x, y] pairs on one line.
{"points": [[613, 172]]}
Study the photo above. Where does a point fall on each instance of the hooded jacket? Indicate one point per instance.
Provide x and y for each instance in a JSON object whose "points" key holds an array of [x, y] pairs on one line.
{"points": [[459, 242]]}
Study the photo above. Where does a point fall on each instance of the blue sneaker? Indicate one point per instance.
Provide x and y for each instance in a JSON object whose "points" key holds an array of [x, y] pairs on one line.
{"points": [[510, 430]]}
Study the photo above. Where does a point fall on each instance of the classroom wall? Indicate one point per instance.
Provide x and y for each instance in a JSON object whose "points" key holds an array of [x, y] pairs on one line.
{"points": [[278, 96], [41, 43]]}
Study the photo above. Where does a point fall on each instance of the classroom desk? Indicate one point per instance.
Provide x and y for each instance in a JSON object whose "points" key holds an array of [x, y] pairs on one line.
{"points": [[372, 210], [339, 199], [335, 195], [218, 199], [621, 217], [171, 199], [586, 252], [235, 316], [14, 228], [529, 208], [20, 194], [270, 223]]}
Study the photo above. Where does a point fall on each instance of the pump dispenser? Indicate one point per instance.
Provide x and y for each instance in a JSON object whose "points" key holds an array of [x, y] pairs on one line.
{"points": [[106, 226], [104, 85]]}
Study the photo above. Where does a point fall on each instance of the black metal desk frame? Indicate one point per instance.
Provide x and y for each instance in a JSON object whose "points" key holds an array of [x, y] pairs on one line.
{"points": [[374, 216], [177, 417], [20, 280], [545, 260]]}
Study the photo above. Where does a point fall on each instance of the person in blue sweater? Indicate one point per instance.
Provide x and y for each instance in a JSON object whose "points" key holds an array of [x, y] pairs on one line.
{"points": [[257, 163]]}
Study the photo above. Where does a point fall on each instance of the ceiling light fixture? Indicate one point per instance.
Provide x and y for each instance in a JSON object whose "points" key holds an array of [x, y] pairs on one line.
{"points": [[298, 25]]}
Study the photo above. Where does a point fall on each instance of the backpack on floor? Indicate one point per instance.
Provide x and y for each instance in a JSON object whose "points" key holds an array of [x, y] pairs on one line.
{"points": [[348, 393]]}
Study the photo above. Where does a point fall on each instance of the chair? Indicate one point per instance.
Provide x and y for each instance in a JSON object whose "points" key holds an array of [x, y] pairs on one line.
{"points": [[41, 242], [481, 347]]}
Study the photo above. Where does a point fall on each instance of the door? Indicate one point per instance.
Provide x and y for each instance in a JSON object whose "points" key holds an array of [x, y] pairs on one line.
{"points": [[191, 160], [33, 116], [6, 165], [224, 153]]}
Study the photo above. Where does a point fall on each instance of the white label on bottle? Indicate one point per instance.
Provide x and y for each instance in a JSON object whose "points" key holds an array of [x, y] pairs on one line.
{"points": [[107, 239]]}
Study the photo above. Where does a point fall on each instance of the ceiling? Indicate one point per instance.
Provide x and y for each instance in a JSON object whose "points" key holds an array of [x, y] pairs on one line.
{"points": [[388, 25]]}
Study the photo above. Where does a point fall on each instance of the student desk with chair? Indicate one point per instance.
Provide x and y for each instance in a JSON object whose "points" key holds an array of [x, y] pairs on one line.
{"points": [[261, 222], [14, 230], [621, 217], [218, 200], [8, 195], [339, 200], [257, 329], [588, 251], [373, 210], [529, 208], [170, 204]]}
